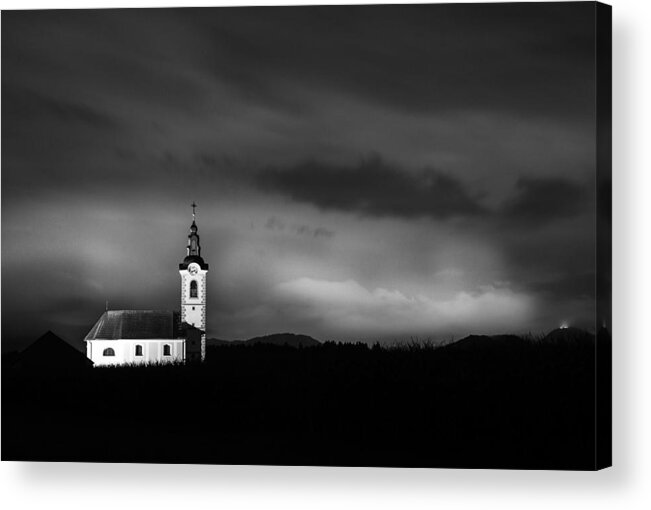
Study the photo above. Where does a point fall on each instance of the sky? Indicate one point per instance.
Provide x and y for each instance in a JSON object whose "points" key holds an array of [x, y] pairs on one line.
{"points": [[361, 173]]}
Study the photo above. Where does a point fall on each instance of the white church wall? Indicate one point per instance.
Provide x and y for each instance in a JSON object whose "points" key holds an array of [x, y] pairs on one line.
{"points": [[125, 351]]}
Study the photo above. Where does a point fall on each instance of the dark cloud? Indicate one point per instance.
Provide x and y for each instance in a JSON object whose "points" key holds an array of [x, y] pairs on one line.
{"points": [[274, 223], [569, 286], [28, 105], [539, 201], [533, 58], [323, 232], [373, 188]]}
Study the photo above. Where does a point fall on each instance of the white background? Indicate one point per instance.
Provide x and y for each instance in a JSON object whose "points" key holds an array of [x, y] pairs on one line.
{"points": [[627, 485]]}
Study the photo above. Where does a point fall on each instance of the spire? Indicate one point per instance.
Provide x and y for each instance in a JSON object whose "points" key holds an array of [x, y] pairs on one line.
{"points": [[193, 247]]}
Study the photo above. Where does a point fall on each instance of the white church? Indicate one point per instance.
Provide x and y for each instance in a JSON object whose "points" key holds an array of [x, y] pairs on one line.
{"points": [[122, 337]]}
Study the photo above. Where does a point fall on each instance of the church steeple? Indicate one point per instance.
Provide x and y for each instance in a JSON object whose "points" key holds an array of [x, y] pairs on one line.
{"points": [[194, 247], [193, 273]]}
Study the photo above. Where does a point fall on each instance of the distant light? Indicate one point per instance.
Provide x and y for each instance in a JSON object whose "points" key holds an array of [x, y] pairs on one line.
{"points": [[564, 325]]}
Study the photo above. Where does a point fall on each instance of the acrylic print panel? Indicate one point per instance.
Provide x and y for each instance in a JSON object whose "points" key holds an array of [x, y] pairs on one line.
{"points": [[328, 235]]}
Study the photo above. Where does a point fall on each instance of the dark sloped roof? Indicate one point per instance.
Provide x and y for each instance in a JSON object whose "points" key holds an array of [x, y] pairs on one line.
{"points": [[51, 351], [185, 328], [193, 258], [132, 324]]}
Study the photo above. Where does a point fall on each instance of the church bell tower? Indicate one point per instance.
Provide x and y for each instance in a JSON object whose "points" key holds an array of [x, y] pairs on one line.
{"points": [[193, 271]]}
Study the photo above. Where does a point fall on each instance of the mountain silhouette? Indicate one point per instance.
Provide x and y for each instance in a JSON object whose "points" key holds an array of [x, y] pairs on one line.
{"points": [[51, 353], [282, 339], [569, 335], [475, 342]]}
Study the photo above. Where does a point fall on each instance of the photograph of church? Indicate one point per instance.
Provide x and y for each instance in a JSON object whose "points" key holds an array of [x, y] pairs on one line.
{"points": [[121, 337], [406, 210]]}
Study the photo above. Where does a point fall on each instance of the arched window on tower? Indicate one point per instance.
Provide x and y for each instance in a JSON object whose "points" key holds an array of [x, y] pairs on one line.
{"points": [[167, 350], [108, 352], [193, 288], [138, 350]]}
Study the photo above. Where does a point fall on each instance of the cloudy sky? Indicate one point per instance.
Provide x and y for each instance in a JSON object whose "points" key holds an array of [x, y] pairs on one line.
{"points": [[362, 173]]}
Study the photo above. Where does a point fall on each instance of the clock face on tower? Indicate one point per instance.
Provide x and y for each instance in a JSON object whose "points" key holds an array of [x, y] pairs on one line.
{"points": [[193, 269]]}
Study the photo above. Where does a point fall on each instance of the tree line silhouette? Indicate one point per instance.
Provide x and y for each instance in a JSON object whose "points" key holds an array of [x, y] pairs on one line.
{"points": [[481, 402]]}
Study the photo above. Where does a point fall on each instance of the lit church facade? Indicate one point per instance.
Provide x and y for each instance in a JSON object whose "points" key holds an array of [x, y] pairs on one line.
{"points": [[122, 337]]}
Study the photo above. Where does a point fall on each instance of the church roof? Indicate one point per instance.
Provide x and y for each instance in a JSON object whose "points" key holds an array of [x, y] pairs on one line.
{"points": [[135, 324]]}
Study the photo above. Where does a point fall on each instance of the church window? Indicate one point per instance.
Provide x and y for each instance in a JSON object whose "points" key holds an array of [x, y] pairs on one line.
{"points": [[138, 350], [167, 350], [109, 352], [193, 288]]}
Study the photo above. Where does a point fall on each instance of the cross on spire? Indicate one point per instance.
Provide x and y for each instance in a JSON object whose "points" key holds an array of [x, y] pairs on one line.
{"points": [[194, 206]]}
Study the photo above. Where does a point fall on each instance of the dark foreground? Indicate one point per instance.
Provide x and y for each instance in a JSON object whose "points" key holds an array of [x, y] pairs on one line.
{"points": [[503, 402]]}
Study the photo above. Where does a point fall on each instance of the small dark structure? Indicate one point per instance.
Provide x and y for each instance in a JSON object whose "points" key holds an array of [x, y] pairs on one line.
{"points": [[192, 342], [51, 353]]}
